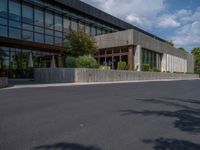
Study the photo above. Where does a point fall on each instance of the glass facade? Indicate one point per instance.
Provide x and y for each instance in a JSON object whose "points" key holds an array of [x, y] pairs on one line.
{"points": [[38, 23], [152, 58], [15, 61]]}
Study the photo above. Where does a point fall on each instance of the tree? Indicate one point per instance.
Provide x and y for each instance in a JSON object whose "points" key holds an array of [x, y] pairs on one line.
{"points": [[196, 53], [81, 43], [170, 42], [182, 49]]}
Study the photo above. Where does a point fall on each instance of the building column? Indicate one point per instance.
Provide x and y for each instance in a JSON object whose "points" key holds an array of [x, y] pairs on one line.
{"points": [[137, 58], [164, 63], [130, 58]]}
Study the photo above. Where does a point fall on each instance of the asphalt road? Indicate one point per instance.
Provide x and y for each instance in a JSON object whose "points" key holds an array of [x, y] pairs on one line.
{"points": [[134, 116]]}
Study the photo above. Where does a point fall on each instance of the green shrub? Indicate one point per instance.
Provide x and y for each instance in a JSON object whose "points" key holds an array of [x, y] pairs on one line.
{"points": [[102, 67], [70, 62], [122, 65], [145, 67], [86, 62], [156, 70]]}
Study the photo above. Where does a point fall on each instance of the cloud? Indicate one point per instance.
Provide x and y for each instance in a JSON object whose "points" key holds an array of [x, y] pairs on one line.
{"points": [[182, 26], [141, 13], [188, 35], [168, 22]]}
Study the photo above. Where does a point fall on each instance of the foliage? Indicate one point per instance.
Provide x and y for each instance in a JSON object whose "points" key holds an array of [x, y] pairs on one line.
{"points": [[103, 67], [156, 70], [70, 62], [81, 43], [170, 42], [122, 65], [145, 67], [182, 49], [196, 53], [2, 73], [86, 62]]}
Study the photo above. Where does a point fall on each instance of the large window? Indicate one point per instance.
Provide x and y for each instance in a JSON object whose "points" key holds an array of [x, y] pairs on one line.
{"points": [[3, 31], [3, 8], [15, 10], [152, 58], [38, 17], [49, 20], [74, 25], [58, 23], [27, 35], [27, 13], [15, 33]]}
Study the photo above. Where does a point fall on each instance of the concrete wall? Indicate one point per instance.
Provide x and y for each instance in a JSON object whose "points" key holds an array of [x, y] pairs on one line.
{"points": [[3, 82], [65, 75]]}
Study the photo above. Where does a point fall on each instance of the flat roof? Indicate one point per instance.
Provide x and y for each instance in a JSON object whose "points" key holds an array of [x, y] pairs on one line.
{"points": [[101, 15]]}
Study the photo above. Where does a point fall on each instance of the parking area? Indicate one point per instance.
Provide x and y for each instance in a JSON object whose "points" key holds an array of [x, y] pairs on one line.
{"points": [[127, 116]]}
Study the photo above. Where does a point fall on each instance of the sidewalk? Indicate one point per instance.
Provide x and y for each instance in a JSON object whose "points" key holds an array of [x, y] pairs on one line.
{"points": [[43, 85]]}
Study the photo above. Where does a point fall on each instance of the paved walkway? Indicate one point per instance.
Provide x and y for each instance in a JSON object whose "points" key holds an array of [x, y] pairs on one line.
{"points": [[29, 83]]}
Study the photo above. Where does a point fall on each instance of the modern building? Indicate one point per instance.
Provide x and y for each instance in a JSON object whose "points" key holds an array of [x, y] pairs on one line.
{"points": [[36, 30], [138, 48]]}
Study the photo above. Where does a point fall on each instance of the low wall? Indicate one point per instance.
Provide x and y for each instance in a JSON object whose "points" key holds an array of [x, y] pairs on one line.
{"points": [[3, 82], [70, 75]]}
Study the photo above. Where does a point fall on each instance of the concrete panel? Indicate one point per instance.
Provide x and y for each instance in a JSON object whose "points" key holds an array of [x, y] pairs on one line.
{"points": [[65, 75], [3, 82]]}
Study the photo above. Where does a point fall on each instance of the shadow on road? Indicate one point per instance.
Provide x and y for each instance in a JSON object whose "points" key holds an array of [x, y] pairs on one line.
{"points": [[187, 119], [172, 144], [66, 146]]}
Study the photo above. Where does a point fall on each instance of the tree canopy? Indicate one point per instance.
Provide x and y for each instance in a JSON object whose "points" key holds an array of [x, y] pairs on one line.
{"points": [[196, 53], [81, 43], [182, 49], [170, 42]]}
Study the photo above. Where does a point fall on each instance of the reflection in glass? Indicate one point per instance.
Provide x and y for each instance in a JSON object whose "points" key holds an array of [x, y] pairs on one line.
{"points": [[38, 17], [14, 33], [14, 10], [27, 13], [3, 8], [58, 23], [3, 31]]}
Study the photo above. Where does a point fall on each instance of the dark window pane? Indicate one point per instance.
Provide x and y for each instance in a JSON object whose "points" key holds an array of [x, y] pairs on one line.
{"points": [[26, 35], [49, 32], [3, 31], [39, 38], [38, 17], [15, 33], [15, 10], [27, 13], [58, 23], [14, 24], [59, 34], [93, 31], [39, 29], [3, 8], [27, 27], [66, 25], [3, 21], [48, 20], [87, 28], [74, 25], [49, 39]]}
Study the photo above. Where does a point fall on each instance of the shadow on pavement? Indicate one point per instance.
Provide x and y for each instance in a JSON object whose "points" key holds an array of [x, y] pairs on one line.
{"points": [[66, 146], [187, 119], [172, 144]]}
